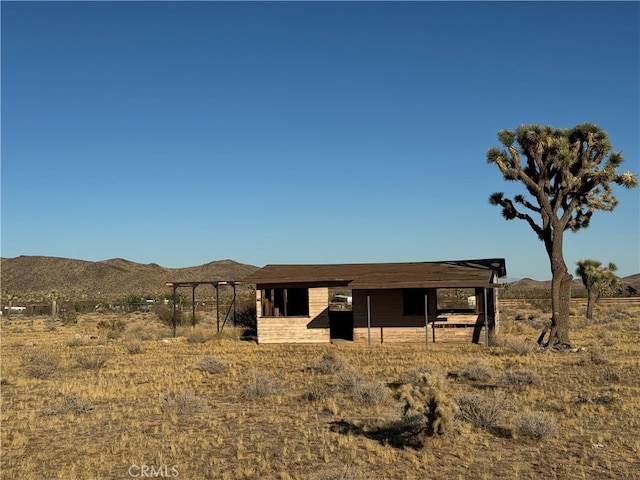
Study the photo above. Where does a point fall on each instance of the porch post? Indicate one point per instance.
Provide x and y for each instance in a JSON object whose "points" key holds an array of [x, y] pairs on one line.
{"points": [[426, 318], [368, 318], [193, 304], [217, 307], [175, 320], [486, 318]]}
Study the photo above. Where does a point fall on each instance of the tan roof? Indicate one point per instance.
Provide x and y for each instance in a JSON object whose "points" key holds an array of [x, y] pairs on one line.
{"points": [[458, 273]]}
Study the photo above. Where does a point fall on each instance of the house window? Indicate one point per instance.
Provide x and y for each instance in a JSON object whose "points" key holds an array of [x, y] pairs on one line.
{"points": [[285, 302], [413, 301]]}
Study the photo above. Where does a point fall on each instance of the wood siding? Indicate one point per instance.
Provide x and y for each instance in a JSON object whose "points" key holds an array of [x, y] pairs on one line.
{"points": [[301, 329], [388, 324]]}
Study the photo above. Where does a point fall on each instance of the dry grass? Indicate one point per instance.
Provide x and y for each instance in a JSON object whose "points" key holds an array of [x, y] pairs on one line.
{"points": [[154, 408]]}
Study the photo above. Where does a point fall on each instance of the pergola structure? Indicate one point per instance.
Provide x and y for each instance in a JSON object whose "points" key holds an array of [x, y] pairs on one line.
{"points": [[216, 284]]}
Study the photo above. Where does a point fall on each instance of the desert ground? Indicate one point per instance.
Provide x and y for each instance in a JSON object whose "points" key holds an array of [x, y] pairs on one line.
{"points": [[110, 396]]}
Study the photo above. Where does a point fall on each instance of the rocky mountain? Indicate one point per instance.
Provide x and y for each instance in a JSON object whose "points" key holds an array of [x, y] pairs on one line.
{"points": [[34, 277]]}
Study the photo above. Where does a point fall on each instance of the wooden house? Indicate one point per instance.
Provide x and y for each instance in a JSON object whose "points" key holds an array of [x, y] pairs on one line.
{"points": [[391, 302]]}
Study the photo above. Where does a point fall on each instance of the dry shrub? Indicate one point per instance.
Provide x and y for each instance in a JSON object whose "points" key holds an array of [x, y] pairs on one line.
{"points": [[423, 373], [516, 378], [347, 379], [369, 393], [518, 345], [596, 399], [230, 332], [184, 402], [316, 393], [330, 362], [69, 317], [596, 355], [611, 376], [477, 370], [133, 347], [68, 404], [199, 335], [535, 425], [92, 361], [260, 386], [39, 363], [112, 326], [212, 365], [50, 325], [78, 341], [482, 409], [139, 332]]}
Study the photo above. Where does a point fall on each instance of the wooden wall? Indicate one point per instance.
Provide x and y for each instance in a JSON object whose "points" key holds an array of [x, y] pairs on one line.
{"points": [[388, 324], [303, 329]]}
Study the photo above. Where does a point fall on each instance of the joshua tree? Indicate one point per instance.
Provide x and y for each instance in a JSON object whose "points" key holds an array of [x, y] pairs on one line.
{"points": [[10, 297], [598, 281], [568, 175], [54, 296]]}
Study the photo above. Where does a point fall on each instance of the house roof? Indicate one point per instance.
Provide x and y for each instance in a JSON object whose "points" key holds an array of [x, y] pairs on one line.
{"points": [[457, 273]]}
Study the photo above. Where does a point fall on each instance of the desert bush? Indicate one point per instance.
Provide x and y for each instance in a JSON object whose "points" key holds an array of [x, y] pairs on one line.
{"points": [[92, 361], [595, 399], [611, 376], [518, 345], [184, 402], [516, 378], [78, 341], [476, 370], [535, 425], [422, 374], [133, 347], [212, 365], [330, 362], [230, 332], [68, 404], [112, 326], [164, 313], [482, 409], [69, 317], [369, 393], [260, 386], [437, 408], [139, 332], [316, 393], [39, 363], [199, 335], [50, 325], [345, 380]]}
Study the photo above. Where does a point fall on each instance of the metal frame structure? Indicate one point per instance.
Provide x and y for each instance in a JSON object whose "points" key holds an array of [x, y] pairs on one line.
{"points": [[216, 284]]}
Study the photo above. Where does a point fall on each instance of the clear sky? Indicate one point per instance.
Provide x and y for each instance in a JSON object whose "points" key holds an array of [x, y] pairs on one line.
{"points": [[179, 133]]}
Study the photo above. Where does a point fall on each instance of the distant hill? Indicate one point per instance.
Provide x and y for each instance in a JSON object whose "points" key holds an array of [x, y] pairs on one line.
{"points": [[524, 285], [33, 277]]}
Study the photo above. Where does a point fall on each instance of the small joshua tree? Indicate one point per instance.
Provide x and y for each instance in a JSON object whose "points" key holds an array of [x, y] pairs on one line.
{"points": [[598, 281]]}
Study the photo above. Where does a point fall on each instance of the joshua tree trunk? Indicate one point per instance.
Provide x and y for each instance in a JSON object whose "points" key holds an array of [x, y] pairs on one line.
{"points": [[592, 299], [560, 294]]}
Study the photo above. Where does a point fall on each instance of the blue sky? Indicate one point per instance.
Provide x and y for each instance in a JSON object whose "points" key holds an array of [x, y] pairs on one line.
{"points": [[300, 132]]}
